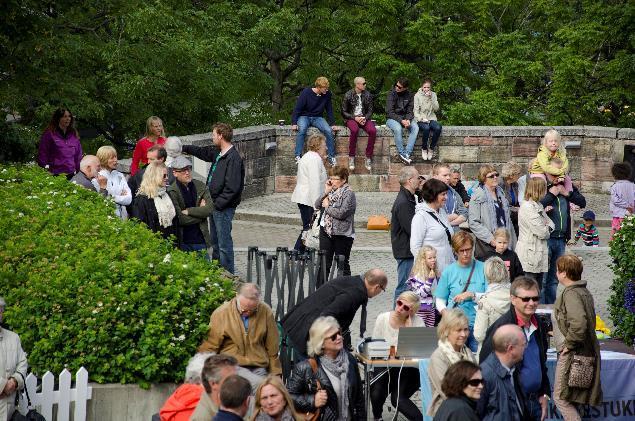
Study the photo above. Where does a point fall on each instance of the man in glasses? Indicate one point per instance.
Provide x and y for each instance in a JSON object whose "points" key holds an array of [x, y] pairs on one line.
{"points": [[357, 110], [245, 328], [534, 382], [501, 398], [193, 205], [454, 207], [400, 114], [340, 298]]}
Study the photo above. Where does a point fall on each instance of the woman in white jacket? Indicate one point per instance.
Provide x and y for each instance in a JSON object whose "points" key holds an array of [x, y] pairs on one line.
{"points": [[426, 104], [496, 300], [430, 225], [117, 186], [534, 228], [309, 183]]}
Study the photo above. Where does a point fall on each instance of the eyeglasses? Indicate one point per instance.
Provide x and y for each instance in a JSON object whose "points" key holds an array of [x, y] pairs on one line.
{"points": [[398, 86], [183, 170], [334, 336], [494, 175], [383, 288], [402, 305], [334, 178], [526, 299], [165, 176], [465, 251], [475, 382]]}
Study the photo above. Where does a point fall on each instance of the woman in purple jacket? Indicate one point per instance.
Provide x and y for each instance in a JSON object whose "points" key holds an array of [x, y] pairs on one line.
{"points": [[60, 151]]}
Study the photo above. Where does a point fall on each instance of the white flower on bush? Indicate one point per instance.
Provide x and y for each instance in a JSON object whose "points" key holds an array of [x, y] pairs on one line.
{"points": [[20, 215], [184, 266], [202, 289], [167, 259], [68, 203], [150, 265]]}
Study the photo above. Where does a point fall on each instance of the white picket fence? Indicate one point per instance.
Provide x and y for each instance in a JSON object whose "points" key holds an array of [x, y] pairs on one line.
{"points": [[44, 400]]}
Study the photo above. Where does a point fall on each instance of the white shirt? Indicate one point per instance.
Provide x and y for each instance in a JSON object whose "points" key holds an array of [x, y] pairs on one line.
{"points": [[358, 108], [383, 330]]}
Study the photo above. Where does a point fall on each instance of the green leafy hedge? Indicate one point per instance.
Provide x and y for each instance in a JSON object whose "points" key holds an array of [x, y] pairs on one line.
{"points": [[621, 302], [86, 289]]}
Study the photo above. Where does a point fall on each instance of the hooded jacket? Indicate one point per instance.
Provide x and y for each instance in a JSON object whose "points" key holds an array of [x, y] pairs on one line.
{"points": [[491, 307], [181, 404], [426, 230]]}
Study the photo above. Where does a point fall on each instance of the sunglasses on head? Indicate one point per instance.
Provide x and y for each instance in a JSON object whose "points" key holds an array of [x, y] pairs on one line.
{"points": [[403, 305], [475, 382], [526, 299], [334, 336], [494, 175]]}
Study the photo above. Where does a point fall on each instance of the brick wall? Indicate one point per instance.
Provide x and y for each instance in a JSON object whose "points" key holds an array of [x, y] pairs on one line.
{"points": [[270, 166]]}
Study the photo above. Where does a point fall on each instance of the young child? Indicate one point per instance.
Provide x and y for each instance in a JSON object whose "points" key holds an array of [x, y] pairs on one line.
{"points": [[423, 280], [622, 195], [551, 149], [587, 231], [509, 257], [496, 300]]}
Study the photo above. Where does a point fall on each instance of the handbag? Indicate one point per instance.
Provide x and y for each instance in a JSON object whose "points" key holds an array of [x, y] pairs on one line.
{"points": [[581, 372], [482, 249], [378, 222], [32, 414], [312, 235], [316, 415]]}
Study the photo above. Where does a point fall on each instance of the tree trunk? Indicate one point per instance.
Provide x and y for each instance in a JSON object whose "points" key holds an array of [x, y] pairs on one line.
{"points": [[278, 80]]}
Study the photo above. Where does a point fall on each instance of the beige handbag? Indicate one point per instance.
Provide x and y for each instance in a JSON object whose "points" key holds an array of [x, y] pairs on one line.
{"points": [[581, 372]]}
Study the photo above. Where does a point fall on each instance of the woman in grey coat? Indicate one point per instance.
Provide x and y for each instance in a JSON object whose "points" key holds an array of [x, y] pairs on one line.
{"points": [[489, 210], [337, 226]]}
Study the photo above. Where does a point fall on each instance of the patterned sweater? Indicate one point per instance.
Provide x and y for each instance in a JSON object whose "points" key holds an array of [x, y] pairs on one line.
{"points": [[589, 236]]}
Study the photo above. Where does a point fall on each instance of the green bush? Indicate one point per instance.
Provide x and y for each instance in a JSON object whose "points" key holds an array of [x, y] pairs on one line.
{"points": [[621, 303], [17, 143], [84, 288]]}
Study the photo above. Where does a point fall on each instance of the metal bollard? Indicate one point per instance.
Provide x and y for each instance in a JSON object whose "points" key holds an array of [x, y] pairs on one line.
{"points": [[251, 254]]}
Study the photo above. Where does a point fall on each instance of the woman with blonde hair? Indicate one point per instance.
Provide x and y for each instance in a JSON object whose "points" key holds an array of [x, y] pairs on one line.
{"points": [[452, 332], [334, 386], [117, 186], [489, 210], [534, 229], [273, 402], [387, 327], [496, 300], [423, 280], [310, 183], [154, 135], [153, 205]]}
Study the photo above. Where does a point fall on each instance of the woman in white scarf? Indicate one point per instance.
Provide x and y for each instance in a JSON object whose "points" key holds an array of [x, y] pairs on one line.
{"points": [[453, 332], [153, 205]]}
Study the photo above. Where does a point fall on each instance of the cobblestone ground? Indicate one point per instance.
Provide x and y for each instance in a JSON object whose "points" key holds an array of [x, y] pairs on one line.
{"points": [[372, 249]]}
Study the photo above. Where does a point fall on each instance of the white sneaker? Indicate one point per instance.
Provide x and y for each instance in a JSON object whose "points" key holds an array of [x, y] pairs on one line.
{"points": [[424, 154], [332, 161], [406, 159], [367, 163], [351, 163], [297, 160]]}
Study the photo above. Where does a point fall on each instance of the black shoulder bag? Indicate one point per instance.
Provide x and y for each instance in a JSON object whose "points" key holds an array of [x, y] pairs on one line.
{"points": [[447, 231], [32, 414]]}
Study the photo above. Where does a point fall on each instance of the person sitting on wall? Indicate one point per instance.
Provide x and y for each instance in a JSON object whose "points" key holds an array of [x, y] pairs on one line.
{"points": [[308, 112], [400, 116], [357, 109]]}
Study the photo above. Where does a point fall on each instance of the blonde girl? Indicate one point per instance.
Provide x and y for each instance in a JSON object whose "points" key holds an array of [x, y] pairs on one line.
{"points": [[423, 280]]}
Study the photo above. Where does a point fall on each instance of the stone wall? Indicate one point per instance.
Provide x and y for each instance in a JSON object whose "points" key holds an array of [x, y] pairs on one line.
{"points": [[270, 167]]}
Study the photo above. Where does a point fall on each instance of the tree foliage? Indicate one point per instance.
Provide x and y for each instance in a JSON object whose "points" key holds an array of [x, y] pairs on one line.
{"points": [[493, 62]]}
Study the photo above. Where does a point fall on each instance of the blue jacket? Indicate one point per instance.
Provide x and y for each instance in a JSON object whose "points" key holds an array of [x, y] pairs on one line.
{"points": [[498, 398]]}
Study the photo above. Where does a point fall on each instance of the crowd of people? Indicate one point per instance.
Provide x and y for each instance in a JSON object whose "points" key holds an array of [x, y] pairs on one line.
{"points": [[474, 264]]}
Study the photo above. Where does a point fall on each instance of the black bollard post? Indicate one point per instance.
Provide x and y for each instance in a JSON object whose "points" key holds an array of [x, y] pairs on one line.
{"points": [[251, 254]]}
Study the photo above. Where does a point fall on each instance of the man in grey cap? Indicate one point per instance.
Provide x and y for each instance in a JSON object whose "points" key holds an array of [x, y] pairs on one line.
{"points": [[193, 205]]}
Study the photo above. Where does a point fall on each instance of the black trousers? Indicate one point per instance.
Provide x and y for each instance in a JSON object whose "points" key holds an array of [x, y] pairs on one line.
{"points": [[306, 212], [335, 244], [407, 387], [537, 277]]}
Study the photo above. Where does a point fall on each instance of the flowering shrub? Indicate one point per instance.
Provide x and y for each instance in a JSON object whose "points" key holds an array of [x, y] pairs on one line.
{"points": [[621, 303], [84, 288]]}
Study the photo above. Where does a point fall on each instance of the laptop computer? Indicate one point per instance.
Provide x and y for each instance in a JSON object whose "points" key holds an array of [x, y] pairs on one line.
{"points": [[416, 342]]}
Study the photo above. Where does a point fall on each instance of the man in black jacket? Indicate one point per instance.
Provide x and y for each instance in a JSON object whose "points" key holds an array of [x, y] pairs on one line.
{"points": [[533, 378], [339, 298], [400, 115], [401, 218], [557, 205], [357, 110], [226, 181]]}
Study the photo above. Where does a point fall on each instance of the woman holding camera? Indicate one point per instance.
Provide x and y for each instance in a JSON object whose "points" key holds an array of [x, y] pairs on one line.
{"points": [[337, 226]]}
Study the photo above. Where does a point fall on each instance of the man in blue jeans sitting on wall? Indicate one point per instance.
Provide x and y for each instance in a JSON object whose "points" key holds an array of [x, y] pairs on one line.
{"points": [[400, 116], [226, 181], [308, 112]]}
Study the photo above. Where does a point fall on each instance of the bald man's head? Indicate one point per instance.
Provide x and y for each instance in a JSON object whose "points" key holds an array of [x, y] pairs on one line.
{"points": [[90, 166], [509, 343]]}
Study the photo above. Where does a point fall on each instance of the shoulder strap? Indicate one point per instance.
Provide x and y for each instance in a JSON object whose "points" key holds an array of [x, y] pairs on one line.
{"points": [[447, 232], [469, 278], [314, 369]]}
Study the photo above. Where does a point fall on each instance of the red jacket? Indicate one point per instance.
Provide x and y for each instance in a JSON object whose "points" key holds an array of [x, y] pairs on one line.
{"points": [[181, 404], [140, 154]]}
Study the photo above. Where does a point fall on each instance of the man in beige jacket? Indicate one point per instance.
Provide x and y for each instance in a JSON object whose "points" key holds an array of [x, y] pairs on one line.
{"points": [[245, 328]]}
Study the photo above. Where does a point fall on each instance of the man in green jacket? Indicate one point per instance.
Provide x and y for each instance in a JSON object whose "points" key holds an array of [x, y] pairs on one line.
{"points": [[193, 205]]}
